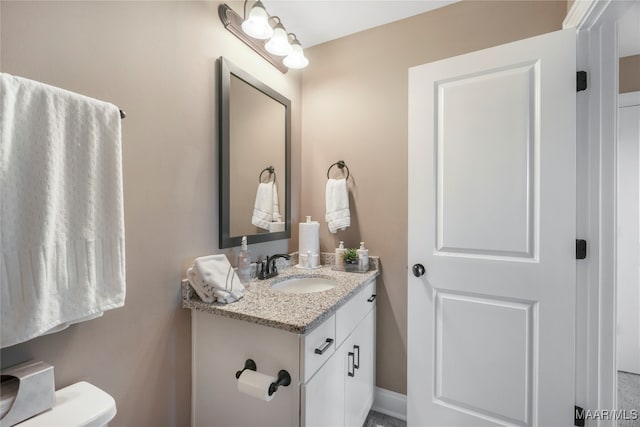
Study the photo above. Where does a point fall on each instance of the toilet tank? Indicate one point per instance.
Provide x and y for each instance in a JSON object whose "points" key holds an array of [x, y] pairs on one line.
{"points": [[79, 405]]}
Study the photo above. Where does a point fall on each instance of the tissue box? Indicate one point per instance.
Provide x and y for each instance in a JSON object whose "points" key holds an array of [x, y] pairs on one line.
{"points": [[27, 390]]}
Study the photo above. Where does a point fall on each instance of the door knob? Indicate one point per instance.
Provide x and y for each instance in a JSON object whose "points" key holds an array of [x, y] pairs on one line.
{"points": [[418, 270]]}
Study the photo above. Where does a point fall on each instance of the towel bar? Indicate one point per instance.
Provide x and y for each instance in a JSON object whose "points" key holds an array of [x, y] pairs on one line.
{"points": [[341, 165], [271, 171]]}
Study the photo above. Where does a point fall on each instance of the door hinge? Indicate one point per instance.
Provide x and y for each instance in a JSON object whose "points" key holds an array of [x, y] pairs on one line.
{"points": [[581, 81], [581, 249], [578, 416]]}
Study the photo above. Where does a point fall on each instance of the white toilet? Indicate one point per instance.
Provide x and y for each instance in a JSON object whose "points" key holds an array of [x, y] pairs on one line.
{"points": [[78, 405]]}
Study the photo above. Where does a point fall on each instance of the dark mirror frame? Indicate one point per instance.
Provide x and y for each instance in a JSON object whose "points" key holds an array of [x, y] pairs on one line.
{"points": [[226, 240]]}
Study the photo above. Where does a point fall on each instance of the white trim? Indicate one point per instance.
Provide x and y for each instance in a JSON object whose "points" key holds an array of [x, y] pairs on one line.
{"points": [[596, 161], [584, 18], [629, 99], [578, 13], [390, 403]]}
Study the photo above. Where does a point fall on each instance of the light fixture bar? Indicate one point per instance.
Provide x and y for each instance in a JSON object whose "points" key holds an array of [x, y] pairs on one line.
{"points": [[233, 22]]}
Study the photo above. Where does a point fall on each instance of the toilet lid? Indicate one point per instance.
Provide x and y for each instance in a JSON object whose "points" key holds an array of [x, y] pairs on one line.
{"points": [[78, 405]]}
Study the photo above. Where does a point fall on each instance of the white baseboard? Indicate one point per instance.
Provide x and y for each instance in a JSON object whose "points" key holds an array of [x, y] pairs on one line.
{"points": [[390, 403]]}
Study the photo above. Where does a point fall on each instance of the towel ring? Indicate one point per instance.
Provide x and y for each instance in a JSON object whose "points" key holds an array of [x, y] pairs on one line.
{"points": [[341, 165], [271, 171]]}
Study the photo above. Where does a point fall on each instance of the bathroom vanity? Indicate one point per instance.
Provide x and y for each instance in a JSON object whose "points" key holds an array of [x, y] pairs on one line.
{"points": [[325, 340]]}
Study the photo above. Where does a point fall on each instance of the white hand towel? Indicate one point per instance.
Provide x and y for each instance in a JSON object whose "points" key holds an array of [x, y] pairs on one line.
{"points": [[214, 279], [62, 219], [337, 198], [266, 205], [276, 205]]}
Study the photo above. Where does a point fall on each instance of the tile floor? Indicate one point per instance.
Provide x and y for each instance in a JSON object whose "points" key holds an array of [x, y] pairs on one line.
{"points": [[376, 419]]}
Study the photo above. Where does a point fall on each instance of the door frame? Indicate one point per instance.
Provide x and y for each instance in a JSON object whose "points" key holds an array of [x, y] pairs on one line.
{"points": [[597, 111]]}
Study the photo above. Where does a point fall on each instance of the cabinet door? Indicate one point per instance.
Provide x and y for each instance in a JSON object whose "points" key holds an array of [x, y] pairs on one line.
{"points": [[359, 356], [323, 396]]}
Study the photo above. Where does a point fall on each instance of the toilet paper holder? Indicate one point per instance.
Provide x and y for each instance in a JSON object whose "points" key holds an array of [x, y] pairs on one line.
{"points": [[248, 364], [283, 379]]}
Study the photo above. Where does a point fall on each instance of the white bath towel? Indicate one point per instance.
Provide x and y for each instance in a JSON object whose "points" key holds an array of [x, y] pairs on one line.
{"points": [[266, 208], [214, 279], [337, 199], [62, 221]]}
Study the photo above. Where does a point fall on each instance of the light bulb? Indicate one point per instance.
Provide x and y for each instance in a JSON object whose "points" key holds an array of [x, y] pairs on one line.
{"points": [[296, 58], [279, 42], [257, 25]]}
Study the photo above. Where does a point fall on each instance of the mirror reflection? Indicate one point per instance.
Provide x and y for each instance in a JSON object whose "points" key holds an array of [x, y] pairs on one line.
{"points": [[254, 138], [257, 151]]}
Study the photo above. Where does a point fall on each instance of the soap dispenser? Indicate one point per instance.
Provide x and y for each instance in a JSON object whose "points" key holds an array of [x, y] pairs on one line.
{"points": [[244, 263], [339, 261], [363, 258]]}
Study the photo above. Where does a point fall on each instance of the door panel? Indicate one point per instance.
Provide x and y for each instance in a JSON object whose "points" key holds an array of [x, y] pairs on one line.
{"points": [[469, 330], [471, 184], [492, 218]]}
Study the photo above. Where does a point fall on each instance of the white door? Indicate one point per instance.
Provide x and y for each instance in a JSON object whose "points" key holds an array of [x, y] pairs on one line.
{"points": [[628, 241], [492, 220]]}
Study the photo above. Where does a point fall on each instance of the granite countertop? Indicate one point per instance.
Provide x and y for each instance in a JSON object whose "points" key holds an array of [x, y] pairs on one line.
{"points": [[298, 313]]}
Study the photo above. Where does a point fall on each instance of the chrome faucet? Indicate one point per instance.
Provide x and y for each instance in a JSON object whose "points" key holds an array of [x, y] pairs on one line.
{"points": [[268, 267]]}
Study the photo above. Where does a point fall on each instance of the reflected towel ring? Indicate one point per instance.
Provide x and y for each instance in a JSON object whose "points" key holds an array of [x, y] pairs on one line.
{"points": [[271, 171], [341, 165]]}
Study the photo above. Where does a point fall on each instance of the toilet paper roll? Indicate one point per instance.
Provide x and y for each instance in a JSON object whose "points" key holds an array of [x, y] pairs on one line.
{"points": [[309, 237], [256, 384]]}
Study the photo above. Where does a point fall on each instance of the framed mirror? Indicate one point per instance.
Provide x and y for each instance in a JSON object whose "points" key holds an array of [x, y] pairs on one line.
{"points": [[255, 159]]}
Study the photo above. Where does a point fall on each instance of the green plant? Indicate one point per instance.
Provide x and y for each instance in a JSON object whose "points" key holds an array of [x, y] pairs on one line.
{"points": [[350, 256]]}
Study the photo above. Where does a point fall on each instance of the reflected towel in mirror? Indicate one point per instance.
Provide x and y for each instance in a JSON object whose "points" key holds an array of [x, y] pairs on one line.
{"points": [[266, 208]]}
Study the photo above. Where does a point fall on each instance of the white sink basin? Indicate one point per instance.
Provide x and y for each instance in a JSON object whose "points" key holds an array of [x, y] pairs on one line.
{"points": [[304, 285]]}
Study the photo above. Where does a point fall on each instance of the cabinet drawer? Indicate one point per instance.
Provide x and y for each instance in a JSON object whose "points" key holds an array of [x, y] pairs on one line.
{"points": [[349, 315], [317, 347]]}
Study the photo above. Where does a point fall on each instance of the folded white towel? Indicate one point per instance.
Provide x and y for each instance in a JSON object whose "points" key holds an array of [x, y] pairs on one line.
{"points": [[62, 221], [337, 198], [214, 279], [266, 208]]}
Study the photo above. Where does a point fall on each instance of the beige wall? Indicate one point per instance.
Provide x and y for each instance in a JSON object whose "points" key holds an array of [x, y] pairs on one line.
{"points": [[355, 109], [156, 60], [629, 74]]}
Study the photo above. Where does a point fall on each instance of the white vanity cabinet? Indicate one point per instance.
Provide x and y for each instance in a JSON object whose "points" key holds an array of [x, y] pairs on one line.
{"points": [[341, 392], [332, 368], [360, 379]]}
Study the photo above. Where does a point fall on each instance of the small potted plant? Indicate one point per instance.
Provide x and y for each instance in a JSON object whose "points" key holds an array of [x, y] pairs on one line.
{"points": [[350, 256]]}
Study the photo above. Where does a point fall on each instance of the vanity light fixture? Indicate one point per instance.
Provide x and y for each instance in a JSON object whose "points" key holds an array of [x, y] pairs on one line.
{"points": [[257, 25], [278, 44], [296, 58], [272, 44]]}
